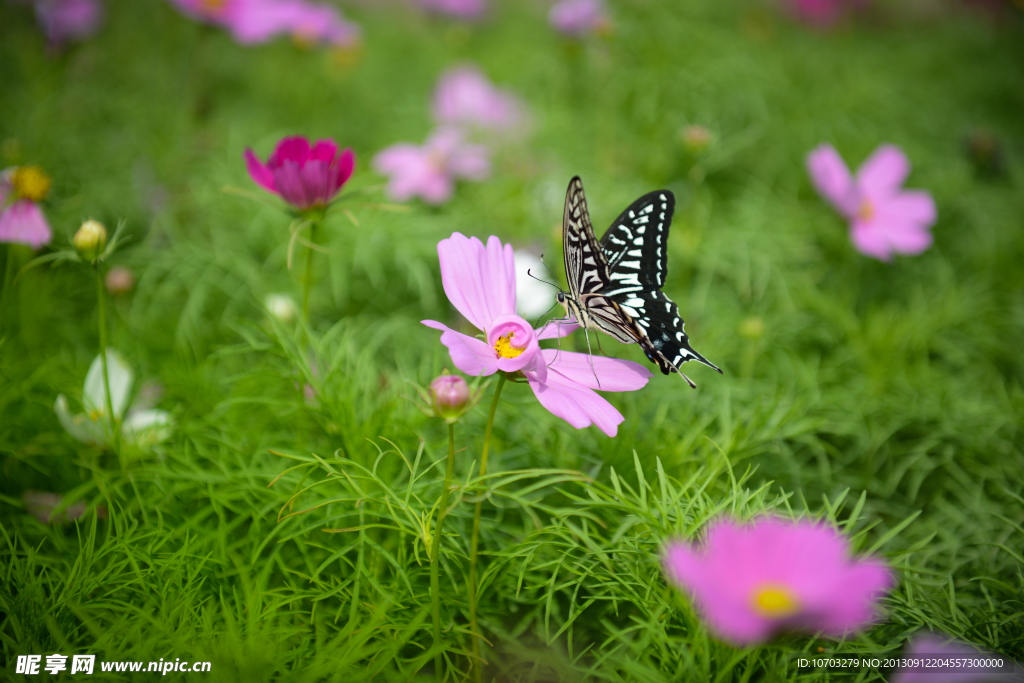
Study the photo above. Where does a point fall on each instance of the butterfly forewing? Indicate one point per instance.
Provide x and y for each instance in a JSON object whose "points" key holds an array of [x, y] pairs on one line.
{"points": [[635, 245], [585, 265]]}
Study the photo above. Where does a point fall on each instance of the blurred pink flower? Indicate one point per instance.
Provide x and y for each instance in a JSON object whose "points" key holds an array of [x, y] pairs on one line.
{"points": [[578, 17], [21, 219], [41, 504], [465, 97], [64, 20], [462, 9], [303, 176], [429, 171], [883, 217], [931, 646], [311, 23], [257, 21], [775, 575], [481, 283], [119, 280]]}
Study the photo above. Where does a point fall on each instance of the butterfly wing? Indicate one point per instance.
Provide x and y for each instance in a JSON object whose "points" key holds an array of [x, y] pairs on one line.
{"points": [[635, 246], [585, 266]]}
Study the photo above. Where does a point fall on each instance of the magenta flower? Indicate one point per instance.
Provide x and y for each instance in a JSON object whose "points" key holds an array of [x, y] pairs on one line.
{"points": [[577, 18], [461, 9], [21, 219], [465, 97], [257, 21], [429, 172], [481, 284], [303, 176], [967, 670], [64, 20], [775, 575], [884, 218]]}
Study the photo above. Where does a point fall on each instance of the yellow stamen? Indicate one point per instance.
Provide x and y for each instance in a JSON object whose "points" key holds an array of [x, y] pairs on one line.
{"points": [[212, 5], [504, 347], [30, 182], [866, 211], [774, 601]]}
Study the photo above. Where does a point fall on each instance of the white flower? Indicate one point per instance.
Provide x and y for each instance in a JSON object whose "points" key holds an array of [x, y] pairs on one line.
{"points": [[281, 306], [141, 426], [533, 298]]}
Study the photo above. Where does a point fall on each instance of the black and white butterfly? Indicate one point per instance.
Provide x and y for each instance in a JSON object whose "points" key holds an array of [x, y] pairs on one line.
{"points": [[615, 284]]}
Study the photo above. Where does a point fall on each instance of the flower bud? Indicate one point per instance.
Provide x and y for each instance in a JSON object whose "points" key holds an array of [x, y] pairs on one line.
{"points": [[120, 280], [696, 138], [90, 240], [281, 307], [449, 395]]}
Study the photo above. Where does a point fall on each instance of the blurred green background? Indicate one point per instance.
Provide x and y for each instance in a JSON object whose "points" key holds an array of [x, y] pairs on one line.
{"points": [[901, 381]]}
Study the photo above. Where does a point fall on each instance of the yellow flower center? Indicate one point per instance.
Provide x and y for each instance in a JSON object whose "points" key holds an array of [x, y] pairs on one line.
{"points": [[30, 182], [774, 601], [866, 211], [212, 5], [504, 347]]}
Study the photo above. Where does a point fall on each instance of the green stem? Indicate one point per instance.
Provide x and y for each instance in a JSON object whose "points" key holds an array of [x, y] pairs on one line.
{"points": [[308, 281], [474, 630], [101, 300], [435, 590], [8, 277]]}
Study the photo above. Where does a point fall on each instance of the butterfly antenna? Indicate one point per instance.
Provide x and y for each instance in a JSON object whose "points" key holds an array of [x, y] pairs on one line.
{"points": [[544, 281], [548, 268]]}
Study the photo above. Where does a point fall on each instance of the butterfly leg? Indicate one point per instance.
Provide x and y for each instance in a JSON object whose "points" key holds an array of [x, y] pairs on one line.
{"points": [[590, 355]]}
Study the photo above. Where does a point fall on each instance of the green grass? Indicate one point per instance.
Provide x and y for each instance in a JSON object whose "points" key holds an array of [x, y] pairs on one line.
{"points": [[886, 398]]}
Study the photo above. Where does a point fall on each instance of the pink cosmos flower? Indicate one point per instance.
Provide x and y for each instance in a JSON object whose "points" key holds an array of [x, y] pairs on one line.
{"points": [[429, 172], [481, 283], [303, 176], [21, 219], [465, 97], [257, 21], [930, 646], [884, 218], [461, 9], [578, 17], [751, 582], [41, 505], [64, 20]]}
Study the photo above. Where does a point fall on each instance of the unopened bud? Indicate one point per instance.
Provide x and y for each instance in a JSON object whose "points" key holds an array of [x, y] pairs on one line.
{"points": [[90, 240], [449, 395], [120, 280]]}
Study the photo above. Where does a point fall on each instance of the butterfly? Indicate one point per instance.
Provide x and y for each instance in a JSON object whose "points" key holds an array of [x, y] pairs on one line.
{"points": [[615, 284]]}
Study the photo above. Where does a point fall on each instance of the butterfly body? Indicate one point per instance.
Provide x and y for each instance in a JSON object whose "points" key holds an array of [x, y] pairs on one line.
{"points": [[615, 284]]}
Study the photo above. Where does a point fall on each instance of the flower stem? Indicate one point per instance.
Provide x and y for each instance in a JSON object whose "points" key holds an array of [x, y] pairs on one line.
{"points": [[8, 277], [435, 594], [108, 404], [308, 281], [474, 630]]}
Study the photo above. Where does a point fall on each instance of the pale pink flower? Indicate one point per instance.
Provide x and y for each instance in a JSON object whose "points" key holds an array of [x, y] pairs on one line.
{"points": [[429, 171], [461, 9], [884, 218], [302, 175], [41, 505], [21, 219], [481, 283], [968, 668], [64, 20], [257, 21], [774, 575], [578, 17], [465, 97]]}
